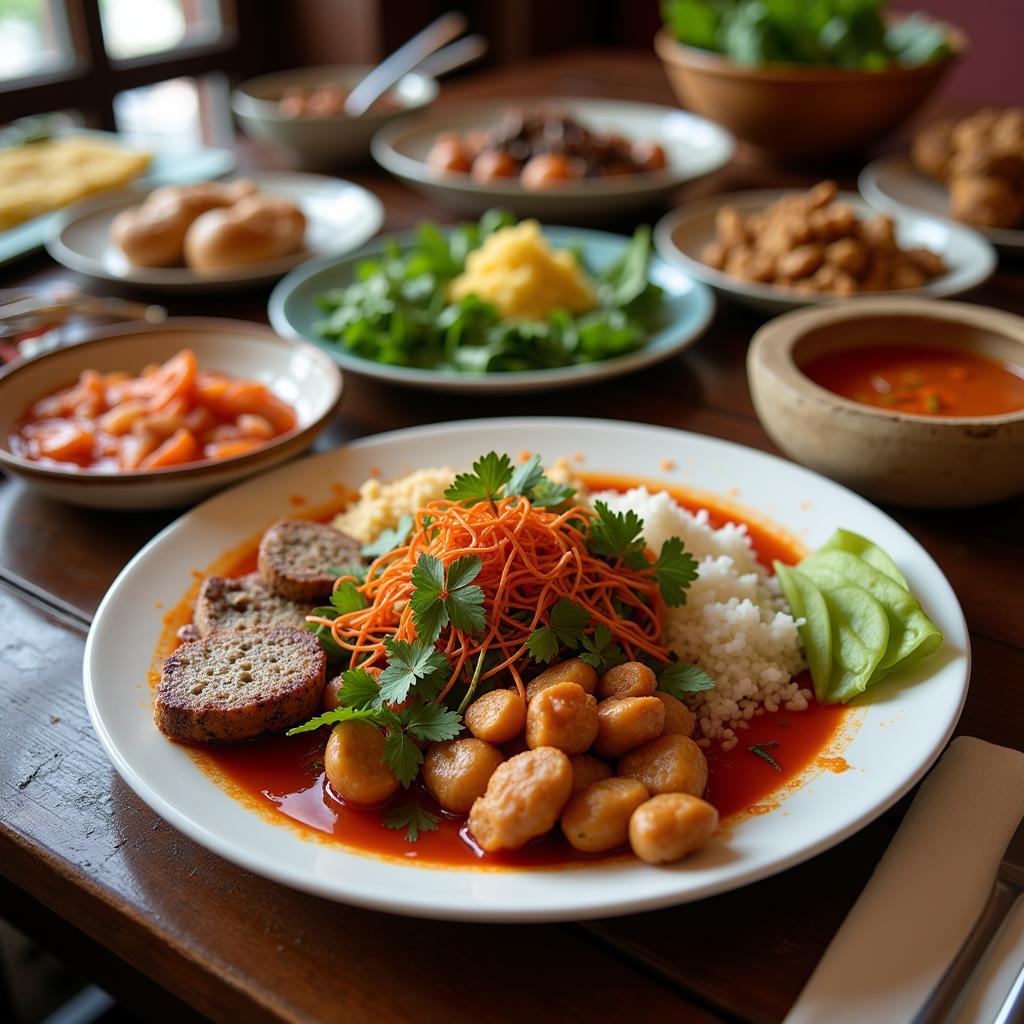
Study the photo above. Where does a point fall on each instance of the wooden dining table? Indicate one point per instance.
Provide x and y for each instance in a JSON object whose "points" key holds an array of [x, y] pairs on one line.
{"points": [[176, 933]]}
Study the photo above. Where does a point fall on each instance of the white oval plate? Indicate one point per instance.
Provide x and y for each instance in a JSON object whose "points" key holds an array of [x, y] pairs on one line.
{"points": [[680, 236], [340, 217], [903, 725], [693, 146], [894, 185]]}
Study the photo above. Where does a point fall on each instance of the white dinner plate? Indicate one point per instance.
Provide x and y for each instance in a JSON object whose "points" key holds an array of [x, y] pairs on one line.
{"points": [[894, 185], [680, 237], [892, 735], [693, 147], [340, 217]]}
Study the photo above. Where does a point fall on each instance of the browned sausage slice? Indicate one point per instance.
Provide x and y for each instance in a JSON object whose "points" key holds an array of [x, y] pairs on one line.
{"points": [[296, 554], [244, 602]]}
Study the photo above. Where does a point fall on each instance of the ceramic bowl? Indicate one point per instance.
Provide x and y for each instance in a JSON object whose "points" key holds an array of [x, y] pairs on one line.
{"points": [[904, 458], [322, 143], [797, 112], [680, 238], [693, 147], [297, 373]]}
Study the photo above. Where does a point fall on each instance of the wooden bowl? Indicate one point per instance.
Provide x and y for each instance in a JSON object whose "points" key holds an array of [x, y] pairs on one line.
{"points": [[794, 111], [904, 458], [297, 372]]}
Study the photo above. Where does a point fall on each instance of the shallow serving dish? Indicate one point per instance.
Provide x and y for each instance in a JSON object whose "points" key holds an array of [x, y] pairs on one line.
{"points": [[797, 112], [894, 185], [918, 710], [320, 143], [910, 459], [681, 235], [687, 311], [340, 216], [693, 147], [297, 373]]}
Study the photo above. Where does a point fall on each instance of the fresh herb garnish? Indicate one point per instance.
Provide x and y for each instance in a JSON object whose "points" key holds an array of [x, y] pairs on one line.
{"points": [[446, 595], [677, 679], [529, 481], [357, 572], [618, 536], [485, 483], [345, 598], [761, 750], [566, 623], [387, 540], [600, 651], [358, 689], [410, 664], [413, 818], [675, 570]]}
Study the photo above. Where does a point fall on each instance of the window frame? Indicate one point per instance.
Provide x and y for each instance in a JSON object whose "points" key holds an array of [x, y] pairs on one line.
{"points": [[91, 79]]}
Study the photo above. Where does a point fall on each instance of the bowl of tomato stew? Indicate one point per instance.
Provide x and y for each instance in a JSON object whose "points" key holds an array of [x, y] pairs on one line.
{"points": [[150, 416], [913, 401]]}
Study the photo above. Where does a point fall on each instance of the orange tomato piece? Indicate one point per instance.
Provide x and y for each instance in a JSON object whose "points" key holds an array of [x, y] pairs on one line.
{"points": [[231, 448], [175, 379], [252, 425], [120, 419], [179, 448], [250, 396], [65, 441]]}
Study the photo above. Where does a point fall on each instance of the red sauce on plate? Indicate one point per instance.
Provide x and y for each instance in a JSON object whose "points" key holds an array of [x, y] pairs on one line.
{"points": [[284, 778], [926, 380]]}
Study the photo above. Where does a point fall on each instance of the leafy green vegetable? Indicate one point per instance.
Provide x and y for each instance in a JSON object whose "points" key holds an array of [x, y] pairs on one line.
{"points": [[761, 750], [860, 635], [565, 626], [840, 33], [674, 570], [485, 483], [600, 651], [344, 599], [677, 679], [387, 540], [446, 595], [413, 818], [334, 717], [806, 602], [396, 311], [358, 689], [357, 572], [855, 544], [618, 536], [409, 664], [432, 722]]}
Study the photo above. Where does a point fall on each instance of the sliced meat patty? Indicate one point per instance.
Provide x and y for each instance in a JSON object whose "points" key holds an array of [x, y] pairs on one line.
{"points": [[295, 555], [245, 602], [237, 686]]}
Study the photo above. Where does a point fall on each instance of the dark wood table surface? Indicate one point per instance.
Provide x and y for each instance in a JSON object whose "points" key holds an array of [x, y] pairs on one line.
{"points": [[172, 929]]}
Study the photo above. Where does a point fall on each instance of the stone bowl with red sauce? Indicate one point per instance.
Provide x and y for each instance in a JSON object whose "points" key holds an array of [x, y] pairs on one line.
{"points": [[917, 402]]}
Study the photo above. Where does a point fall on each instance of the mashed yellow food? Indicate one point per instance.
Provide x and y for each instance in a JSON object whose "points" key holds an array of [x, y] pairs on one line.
{"points": [[380, 506], [518, 272], [39, 177]]}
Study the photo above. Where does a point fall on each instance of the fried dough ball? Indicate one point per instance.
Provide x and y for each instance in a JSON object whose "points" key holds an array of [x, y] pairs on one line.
{"points": [[669, 764], [448, 154], [597, 819], [989, 202], [354, 764], [630, 679], [457, 772], [563, 716], [626, 722], [571, 671], [669, 826], [524, 799], [679, 719], [496, 717], [932, 149], [587, 770], [493, 165], [547, 170]]}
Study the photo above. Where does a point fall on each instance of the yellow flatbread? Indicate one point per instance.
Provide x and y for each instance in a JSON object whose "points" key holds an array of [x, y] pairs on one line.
{"points": [[39, 177]]}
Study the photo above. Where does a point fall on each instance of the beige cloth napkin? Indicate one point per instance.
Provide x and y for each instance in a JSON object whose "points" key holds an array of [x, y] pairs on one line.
{"points": [[923, 898]]}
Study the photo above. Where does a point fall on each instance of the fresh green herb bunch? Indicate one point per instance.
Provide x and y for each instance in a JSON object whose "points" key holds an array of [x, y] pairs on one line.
{"points": [[406, 702], [397, 310], [838, 33]]}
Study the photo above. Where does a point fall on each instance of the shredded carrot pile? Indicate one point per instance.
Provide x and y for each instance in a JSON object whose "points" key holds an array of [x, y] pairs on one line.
{"points": [[531, 558]]}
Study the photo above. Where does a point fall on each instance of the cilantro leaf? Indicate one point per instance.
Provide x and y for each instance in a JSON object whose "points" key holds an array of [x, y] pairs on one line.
{"points": [[357, 571], [599, 650], [618, 535], [413, 818], [442, 596], [428, 611], [334, 717], [388, 540], [566, 623], [402, 756], [678, 679], [408, 663], [674, 570], [547, 494], [358, 690], [490, 474], [345, 599], [432, 722], [526, 476], [761, 750]]}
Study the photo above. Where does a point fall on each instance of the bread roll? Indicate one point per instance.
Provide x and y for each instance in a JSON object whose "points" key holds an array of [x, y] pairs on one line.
{"points": [[153, 234], [255, 229]]}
